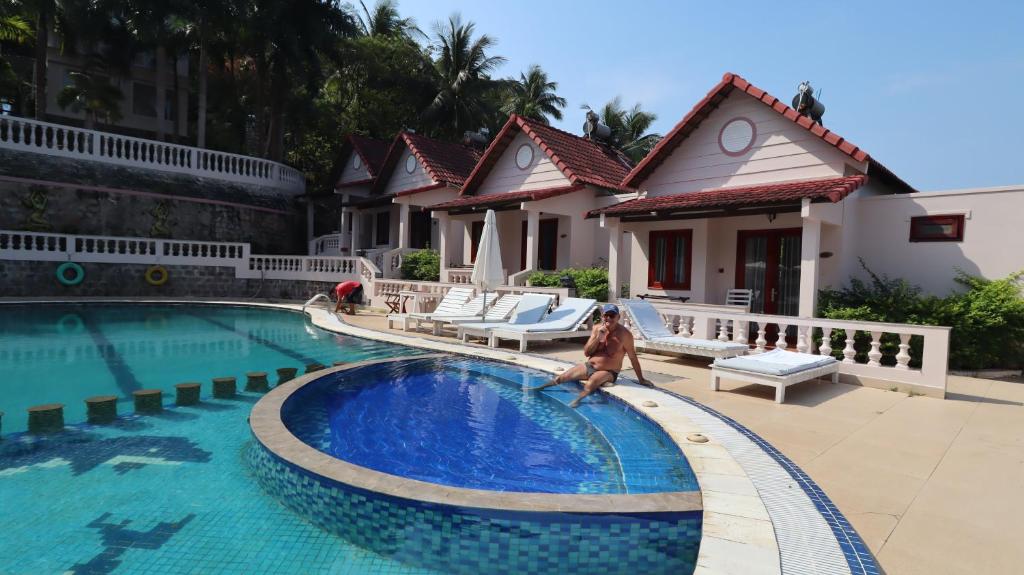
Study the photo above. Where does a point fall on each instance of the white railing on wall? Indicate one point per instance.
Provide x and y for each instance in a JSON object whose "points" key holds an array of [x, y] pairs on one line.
{"points": [[328, 245], [24, 134], [34, 246], [814, 335]]}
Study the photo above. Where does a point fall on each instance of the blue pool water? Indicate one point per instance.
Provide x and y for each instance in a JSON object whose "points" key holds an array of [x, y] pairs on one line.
{"points": [[65, 353], [174, 493], [469, 424]]}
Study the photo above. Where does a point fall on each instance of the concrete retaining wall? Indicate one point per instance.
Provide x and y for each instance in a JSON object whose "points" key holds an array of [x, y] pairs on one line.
{"points": [[38, 279]]}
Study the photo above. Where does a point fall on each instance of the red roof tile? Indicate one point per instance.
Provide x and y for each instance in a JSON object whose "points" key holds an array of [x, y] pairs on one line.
{"points": [[446, 163], [505, 198], [703, 109], [763, 195], [371, 151], [580, 159]]}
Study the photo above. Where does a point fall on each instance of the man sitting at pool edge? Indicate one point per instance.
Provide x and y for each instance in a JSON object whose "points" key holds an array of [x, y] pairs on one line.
{"points": [[348, 293], [609, 342]]}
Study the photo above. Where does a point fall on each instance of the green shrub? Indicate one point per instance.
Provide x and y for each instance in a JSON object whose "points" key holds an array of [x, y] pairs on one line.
{"points": [[590, 282], [424, 265], [987, 319]]}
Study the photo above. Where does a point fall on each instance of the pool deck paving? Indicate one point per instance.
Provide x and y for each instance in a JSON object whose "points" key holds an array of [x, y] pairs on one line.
{"points": [[932, 486]]}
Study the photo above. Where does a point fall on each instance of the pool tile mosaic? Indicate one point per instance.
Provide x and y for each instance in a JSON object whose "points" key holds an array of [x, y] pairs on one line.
{"points": [[462, 540]]}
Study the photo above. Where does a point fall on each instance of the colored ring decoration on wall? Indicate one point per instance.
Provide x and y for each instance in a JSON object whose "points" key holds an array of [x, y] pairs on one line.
{"points": [[70, 323], [76, 270], [157, 275]]}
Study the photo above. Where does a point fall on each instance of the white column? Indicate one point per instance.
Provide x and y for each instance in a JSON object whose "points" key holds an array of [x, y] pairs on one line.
{"points": [[810, 267], [357, 218], [614, 250], [403, 225], [532, 238], [443, 241]]}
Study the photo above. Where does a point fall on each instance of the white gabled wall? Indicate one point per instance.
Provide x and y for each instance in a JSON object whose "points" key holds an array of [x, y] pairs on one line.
{"points": [[782, 151], [506, 176], [351, 173], [402, 180]]}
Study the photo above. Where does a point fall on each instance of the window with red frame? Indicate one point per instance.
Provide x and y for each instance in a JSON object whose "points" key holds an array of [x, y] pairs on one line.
{"points": [[937, 228], [669, 264]]}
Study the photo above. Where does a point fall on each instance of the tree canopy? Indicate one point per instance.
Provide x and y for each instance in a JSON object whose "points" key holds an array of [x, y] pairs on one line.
{"points": [[285, 80]]}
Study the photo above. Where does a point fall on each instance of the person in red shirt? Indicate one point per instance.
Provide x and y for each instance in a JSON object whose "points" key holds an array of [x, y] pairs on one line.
{"points": [[348, 293]]}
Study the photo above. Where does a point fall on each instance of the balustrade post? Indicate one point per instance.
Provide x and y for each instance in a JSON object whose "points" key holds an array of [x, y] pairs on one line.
{"points": [[684, 326], [875, 354], [826, 341], [849, 352], [723, 330], [903, 357], [801, 339], [780, 342], [739, 331], [760, 342]]}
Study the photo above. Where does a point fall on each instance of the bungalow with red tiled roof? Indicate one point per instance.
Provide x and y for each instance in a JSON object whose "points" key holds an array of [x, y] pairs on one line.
{"points": [[541, 181], [358, 164], [389, 219], [745, 192]]}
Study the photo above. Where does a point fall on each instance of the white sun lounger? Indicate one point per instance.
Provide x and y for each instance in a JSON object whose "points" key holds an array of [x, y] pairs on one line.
{"points": [[530, 309], [453, 301], [655, 336], [561, 323], [777, 368], [471, 308], [503, 307]]}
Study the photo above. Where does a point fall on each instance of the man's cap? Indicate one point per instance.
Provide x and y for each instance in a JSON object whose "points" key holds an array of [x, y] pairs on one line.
{"points": [[610, 308]]}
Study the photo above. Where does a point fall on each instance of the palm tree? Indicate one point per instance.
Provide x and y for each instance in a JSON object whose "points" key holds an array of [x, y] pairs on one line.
{"points": [[463, 67], [629, 128], [533, 96], [385, 21], [93, 95], [14, 28]]}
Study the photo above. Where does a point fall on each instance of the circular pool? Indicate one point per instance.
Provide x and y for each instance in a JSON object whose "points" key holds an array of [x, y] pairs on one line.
{"points": [[467, 423], [448, 462]]}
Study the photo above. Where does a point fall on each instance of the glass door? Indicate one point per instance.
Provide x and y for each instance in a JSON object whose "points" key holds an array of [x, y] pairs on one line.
{"points": [[768, 262]]}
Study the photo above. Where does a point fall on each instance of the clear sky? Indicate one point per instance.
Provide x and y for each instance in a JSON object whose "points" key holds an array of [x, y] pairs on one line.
{"points": [[933, 90]]}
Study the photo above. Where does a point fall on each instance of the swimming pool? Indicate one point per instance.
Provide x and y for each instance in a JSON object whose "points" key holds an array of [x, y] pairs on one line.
{"points": [[178, 492], [468, 423]]}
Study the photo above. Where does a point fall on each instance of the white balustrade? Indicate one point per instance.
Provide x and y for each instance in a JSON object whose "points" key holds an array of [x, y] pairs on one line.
{"points": [[24, 134], [34, 246], [708, 323]]}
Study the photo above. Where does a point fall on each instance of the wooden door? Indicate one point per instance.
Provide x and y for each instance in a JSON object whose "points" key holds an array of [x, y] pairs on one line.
{"points": [[547, 245]]}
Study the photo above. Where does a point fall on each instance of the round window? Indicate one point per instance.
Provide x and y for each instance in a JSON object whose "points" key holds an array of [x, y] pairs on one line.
{"points": [[524, 156], [357, 162], [410, 164], [737, 136]]}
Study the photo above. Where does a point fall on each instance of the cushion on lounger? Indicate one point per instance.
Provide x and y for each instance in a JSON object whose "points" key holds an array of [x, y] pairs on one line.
{"points": [[648, 319], [568, 316], [531, 308], [776, 362]]}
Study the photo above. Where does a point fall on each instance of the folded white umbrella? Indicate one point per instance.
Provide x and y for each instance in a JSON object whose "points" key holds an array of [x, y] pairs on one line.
{"points": [[487, 270]]}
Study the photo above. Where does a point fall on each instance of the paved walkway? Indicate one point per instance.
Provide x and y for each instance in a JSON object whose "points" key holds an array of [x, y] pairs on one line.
{"points": [[933, 486]]}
